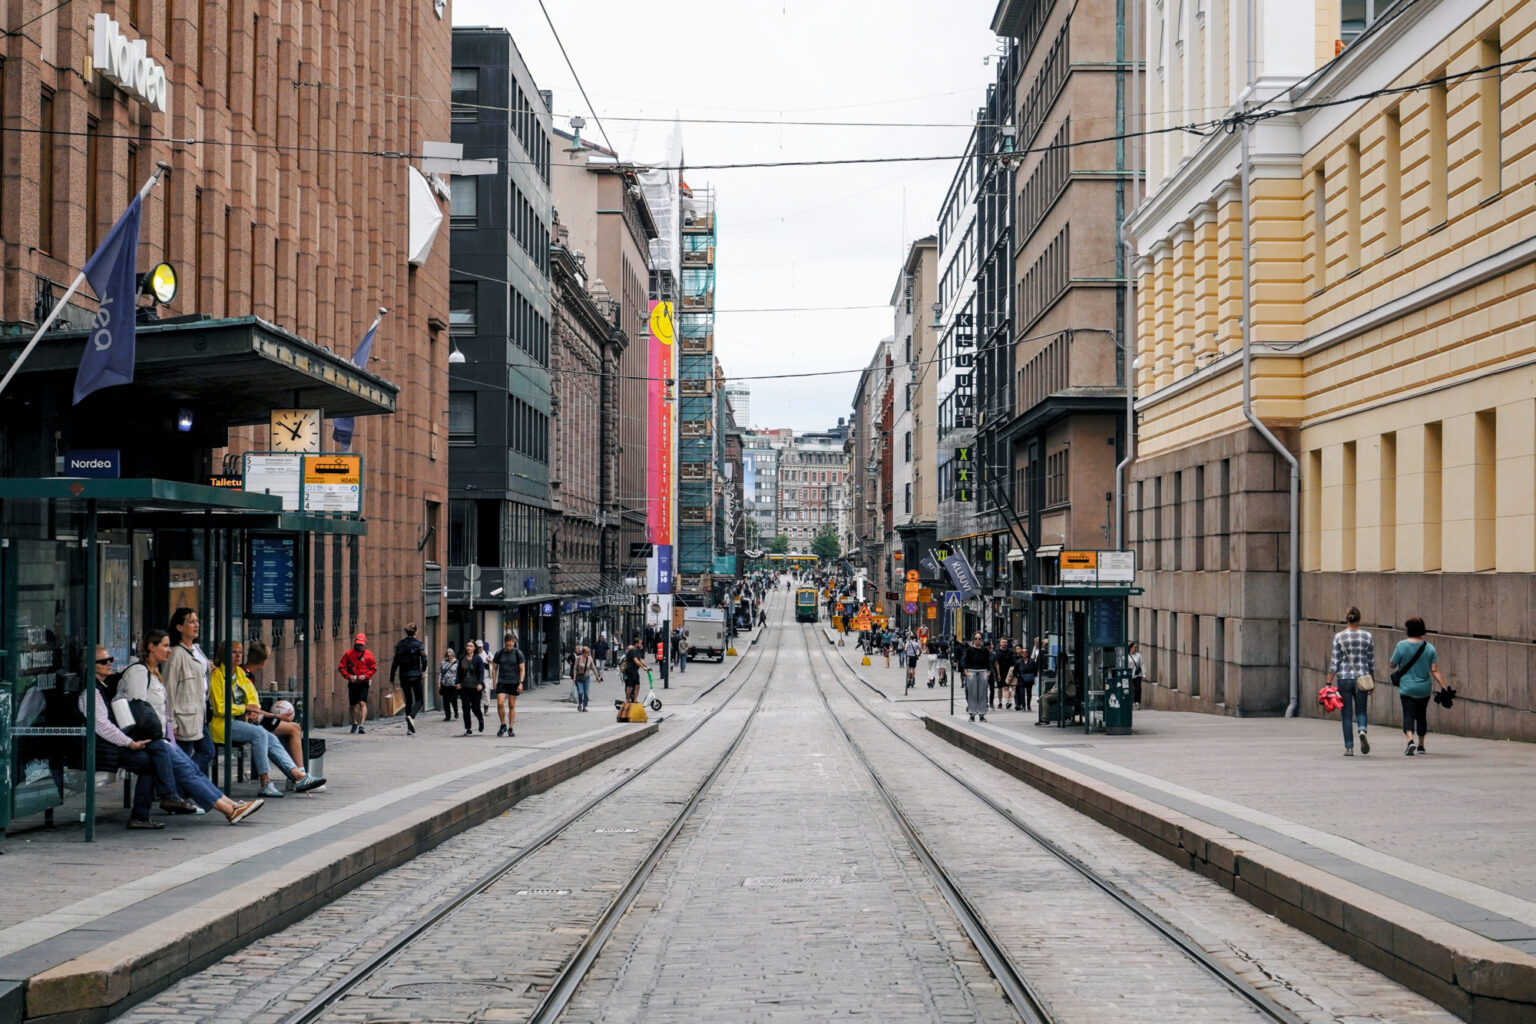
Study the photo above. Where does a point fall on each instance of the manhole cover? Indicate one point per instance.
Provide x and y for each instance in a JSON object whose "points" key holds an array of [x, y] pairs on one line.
{"points": [[447, 990], [791, 880], [611, 831], [543, 892]]}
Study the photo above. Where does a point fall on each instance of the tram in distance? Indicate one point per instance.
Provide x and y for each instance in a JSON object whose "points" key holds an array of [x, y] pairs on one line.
{"points": [[805, 604]]}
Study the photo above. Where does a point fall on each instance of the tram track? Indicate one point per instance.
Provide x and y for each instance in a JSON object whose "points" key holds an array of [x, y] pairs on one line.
{"points": [[1025, 996], [569, 976]]}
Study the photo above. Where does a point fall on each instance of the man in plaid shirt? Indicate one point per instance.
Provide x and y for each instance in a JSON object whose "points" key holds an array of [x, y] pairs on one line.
{"points": [[1354, 655]]}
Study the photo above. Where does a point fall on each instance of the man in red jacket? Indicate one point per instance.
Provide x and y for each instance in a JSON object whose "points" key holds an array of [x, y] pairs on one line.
{"points": [[357, 668]]}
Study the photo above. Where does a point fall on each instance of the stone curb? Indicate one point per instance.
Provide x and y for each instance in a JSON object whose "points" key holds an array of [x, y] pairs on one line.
{"points": [[1472, 976], [109, 979]]}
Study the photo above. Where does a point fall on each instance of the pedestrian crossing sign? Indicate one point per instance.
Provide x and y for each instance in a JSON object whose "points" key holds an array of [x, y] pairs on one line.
{"points": [[951, 599]]}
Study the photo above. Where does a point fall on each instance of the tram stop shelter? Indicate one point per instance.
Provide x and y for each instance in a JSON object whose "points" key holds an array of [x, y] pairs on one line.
{"points": [[88, 561], [1085, 675]]}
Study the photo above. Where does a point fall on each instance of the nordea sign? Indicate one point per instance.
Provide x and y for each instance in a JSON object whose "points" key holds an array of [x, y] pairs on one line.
{"points": [[126, 64]]}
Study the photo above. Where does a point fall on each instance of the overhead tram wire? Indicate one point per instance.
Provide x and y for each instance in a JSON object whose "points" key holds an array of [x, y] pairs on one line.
{"points": [[596, 120], [1229, 123]]}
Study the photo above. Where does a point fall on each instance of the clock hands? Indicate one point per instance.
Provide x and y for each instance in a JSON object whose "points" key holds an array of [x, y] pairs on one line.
{"points": [[291, 430]]}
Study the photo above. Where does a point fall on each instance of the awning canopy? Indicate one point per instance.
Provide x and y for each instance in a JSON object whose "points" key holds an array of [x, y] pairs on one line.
{"points": [[167, 503], [244, 367]]}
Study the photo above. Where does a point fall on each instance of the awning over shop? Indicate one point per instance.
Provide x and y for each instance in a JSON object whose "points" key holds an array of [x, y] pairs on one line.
{"points": [[153, 502], [243, 367]]}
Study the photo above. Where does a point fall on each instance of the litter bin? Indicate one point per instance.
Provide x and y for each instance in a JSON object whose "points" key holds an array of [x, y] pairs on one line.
{"points": [[1117, 703]]}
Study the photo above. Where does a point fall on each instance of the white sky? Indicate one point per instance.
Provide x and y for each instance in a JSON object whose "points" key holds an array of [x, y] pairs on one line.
{"points": [[787, 237]]}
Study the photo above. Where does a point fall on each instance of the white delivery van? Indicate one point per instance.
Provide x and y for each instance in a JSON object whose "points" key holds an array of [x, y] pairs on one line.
{"points": [[706, 632]]}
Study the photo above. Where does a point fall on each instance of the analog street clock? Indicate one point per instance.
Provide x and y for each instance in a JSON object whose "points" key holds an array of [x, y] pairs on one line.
{"points": [[295, 430]]}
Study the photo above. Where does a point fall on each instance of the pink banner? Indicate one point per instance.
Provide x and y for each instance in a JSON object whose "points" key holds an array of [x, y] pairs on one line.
{"points": [[659, 474]]}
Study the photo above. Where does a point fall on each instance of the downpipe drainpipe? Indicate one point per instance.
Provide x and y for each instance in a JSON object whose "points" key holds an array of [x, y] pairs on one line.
{"points": [[1128, 317], [1294, 581]]}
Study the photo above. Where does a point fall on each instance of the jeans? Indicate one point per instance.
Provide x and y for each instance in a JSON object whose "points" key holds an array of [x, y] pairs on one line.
{"points": [[1415, 714], [582, 683], [199, 750], [414, 700], [190, 780], [1353, 699], [266, 747], [469, 699], [153, 767]]}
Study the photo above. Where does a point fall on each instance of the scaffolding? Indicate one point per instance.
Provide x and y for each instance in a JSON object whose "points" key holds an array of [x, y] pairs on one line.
{"points": [[700, 429]]}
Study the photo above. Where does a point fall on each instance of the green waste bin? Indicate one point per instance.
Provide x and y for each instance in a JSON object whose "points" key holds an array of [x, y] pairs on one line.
{"points": [[1117, 703]]}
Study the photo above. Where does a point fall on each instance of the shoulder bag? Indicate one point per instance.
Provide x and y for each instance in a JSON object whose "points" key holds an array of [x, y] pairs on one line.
{"points": [[1397, 674]]}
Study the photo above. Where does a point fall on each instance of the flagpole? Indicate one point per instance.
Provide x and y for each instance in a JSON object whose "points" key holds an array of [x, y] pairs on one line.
{"points": [[58, 307]]}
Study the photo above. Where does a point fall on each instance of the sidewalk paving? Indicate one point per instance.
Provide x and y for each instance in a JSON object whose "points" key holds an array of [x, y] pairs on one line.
{"points": [[84, 925], [1392, 859]]}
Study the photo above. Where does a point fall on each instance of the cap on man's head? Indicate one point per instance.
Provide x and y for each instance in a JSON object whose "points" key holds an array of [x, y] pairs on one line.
{"points": [[360, 639]]}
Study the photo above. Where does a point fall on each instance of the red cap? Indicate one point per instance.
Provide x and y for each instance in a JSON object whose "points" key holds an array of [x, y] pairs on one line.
{"points": [[360, 639]]}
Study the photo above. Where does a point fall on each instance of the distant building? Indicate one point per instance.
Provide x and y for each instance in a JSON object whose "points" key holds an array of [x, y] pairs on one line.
{"points": [[739, 394]]}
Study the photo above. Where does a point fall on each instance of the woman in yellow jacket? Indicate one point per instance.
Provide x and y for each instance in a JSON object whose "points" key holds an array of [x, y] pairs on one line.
{"points": [[245, 715]]}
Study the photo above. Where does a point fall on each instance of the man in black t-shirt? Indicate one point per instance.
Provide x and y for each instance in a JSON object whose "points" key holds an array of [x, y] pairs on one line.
{"points": [[508, 669], [634, 661]]}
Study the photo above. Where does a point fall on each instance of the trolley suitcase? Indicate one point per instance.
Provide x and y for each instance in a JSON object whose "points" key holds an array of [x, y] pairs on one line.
{"points": [[632, 712]]}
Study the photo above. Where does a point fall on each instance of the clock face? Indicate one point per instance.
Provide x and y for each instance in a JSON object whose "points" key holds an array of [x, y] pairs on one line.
{"points": [[295, 430]]}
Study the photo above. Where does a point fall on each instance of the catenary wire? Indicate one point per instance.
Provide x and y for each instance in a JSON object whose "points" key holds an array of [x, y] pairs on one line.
{"points": [[554, 32]]}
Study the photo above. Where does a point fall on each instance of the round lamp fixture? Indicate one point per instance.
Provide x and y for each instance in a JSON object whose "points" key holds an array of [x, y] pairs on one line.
{"points": [[160, 282]]}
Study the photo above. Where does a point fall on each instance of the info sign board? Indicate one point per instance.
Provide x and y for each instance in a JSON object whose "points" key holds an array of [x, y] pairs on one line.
{"points": [[333, 483], [1079, 566], [274, 576], [274, 474], [1098, 567]]}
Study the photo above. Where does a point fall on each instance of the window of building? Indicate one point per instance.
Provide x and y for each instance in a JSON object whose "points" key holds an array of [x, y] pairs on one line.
{"points": [[463, 304], [464, 204], [45, 144], [1489, 116], [908, 445], [461, 417], [1056, 469], [465, 96], [1392, 175], [1435, 110], [1355, 16]]}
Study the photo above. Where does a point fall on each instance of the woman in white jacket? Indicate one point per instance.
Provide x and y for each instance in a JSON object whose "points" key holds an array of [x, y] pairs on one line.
{"points": [[186, 682]]}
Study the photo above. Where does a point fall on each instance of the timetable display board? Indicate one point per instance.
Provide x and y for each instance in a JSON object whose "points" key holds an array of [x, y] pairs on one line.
{"points": [[274, 576]]}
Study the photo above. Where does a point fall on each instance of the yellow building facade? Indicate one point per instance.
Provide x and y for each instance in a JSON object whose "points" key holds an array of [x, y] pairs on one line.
{"points": [[1392, 252]]}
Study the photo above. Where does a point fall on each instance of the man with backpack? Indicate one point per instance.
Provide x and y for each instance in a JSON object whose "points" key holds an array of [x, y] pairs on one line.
{"points": [[410, 662], [509, 669]]}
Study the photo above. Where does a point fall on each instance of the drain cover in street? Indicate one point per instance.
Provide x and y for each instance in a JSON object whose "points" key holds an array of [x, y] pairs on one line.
{"points": [[796, 880], [448, 990], [543, 892]]}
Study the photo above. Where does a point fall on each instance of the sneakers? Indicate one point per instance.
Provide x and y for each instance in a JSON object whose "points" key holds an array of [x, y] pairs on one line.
{"points": [[178, 806], [410, 726], [361, 731], [354, 728], [973, 718], [983, 718], [1409, 751], [482, 725], [1422, 750], [1365, 743], [144, 823], [308, 783], [271, 792], [1349, 751], [469, 732], [245, 810], [501, 732]]}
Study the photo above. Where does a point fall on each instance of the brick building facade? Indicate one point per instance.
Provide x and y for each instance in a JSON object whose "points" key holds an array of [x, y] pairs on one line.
{"points": [[287, 201]]}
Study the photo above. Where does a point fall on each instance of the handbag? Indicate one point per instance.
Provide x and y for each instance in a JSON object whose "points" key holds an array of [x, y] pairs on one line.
{"points": [[1365, 684], [1397, 674]]}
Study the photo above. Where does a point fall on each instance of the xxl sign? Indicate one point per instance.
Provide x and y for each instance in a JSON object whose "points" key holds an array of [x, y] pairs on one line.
{"points": [[126, 64]]}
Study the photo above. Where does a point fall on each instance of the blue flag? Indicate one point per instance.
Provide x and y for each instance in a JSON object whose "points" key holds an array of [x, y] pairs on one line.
{"points": [[341, 426], [108, 358]]}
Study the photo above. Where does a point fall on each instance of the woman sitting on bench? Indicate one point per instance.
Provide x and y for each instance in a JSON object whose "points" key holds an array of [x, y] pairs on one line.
{"points": [[244, 715]]}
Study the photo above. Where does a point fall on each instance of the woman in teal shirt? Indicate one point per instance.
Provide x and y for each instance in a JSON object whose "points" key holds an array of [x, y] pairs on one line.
{"points": [[1414, 687]]}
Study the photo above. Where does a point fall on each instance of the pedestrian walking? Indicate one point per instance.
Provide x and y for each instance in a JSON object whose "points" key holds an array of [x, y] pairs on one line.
{"points": [[1415, 661], [1003, 661], [472, 685], [582, 670], [448, 684], [600, 650], [885, 646], [1138, 671], [358, 667], [976, 662], [509, 671], [910, 653], [410, 662], [1353, 659]]}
